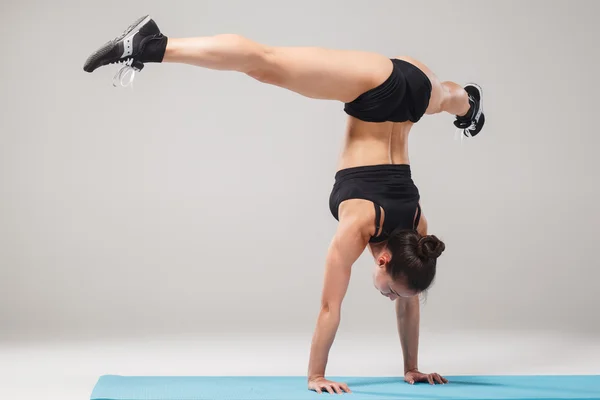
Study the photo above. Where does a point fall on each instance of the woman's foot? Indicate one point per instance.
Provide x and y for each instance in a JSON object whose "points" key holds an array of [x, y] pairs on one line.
{"points": [[472, 122], [141, 42]]}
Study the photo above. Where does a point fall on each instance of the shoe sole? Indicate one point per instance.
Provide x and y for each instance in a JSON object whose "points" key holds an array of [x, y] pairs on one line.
{"points": [[476, 86], [110, 46]]}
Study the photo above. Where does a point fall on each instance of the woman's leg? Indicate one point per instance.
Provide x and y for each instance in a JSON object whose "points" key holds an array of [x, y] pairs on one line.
{"points": [[445, 96], [310, 71], [465, 103], [455, 99]]}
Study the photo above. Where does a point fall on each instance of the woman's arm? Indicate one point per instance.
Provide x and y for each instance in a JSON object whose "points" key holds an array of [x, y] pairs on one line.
{"points": [[347, 245], [408, 316]]}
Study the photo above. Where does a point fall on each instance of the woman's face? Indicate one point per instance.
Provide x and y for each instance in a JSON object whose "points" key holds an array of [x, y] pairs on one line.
{"points": [[386, 286]]}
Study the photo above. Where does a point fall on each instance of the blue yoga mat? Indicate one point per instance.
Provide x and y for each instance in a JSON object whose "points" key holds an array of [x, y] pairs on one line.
{"points": [[113, 387]]}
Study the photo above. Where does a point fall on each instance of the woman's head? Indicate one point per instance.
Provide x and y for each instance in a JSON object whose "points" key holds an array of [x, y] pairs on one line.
{"points": [[406, 265]]}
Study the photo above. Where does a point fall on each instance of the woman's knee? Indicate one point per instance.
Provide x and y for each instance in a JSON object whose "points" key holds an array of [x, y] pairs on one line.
{"points": [[254, 56], [264, 66], [452, 94], [258, 59]]}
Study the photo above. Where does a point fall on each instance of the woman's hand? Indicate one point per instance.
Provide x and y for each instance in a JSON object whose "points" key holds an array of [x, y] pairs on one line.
{"points": [[320, 384], [416, 376]]}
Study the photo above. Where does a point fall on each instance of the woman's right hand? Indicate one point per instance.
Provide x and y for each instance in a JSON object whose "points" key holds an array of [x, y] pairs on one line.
{"points": [[320, 384]]}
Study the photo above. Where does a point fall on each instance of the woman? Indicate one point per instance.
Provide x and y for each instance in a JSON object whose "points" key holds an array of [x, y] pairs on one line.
{"points": [[373, 198]]}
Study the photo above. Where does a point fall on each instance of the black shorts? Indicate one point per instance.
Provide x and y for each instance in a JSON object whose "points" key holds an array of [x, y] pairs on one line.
{"points": [[404, 96]]}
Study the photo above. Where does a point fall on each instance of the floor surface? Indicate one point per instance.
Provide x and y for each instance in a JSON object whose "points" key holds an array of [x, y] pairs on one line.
{"points": [[69, 370]]}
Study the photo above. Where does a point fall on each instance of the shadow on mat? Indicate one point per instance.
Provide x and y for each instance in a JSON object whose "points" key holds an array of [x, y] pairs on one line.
{"points": [[394, 381], [473, 383], [513, 385], [406, 396], [411, 395], [380, 381]]}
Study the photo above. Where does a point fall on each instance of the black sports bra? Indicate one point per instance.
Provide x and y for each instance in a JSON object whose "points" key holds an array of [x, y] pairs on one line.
{"points": [[388, 186]]}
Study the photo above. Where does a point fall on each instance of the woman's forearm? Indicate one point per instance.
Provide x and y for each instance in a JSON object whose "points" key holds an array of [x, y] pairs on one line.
{"points": [[327, 326], [408, 319]]}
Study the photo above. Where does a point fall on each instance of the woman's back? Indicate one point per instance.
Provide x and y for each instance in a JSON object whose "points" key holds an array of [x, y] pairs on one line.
{"points": [[369, 143]]}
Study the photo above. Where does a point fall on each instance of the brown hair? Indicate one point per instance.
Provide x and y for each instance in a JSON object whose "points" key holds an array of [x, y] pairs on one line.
{"points": [[414, 258]]}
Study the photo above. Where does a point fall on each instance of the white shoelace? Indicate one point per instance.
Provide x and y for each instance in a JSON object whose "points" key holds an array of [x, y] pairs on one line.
{"points": [[126, 71], [466, 132], [463, 133]]}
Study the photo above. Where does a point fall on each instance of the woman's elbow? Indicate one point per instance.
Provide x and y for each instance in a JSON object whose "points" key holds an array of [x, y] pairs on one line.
{"points": [[331, 309]]}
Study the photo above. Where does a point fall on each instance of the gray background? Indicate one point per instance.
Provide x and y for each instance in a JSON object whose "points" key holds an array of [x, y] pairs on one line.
{"points": [[197, 202]]}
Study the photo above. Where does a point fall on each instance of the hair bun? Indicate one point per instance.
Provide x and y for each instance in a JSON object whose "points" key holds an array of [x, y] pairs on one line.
{"points": [[430, 247]]}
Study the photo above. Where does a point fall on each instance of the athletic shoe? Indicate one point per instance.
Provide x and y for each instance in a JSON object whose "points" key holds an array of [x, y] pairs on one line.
{"points": [[472, 123], [141, 42]]}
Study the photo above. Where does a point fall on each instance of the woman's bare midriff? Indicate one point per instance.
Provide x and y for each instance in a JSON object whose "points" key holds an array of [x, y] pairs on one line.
{"points": [[368, 143]]}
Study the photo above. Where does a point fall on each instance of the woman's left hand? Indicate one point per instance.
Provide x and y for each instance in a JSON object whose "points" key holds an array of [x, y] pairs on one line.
{"points": [[416, 376]]}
